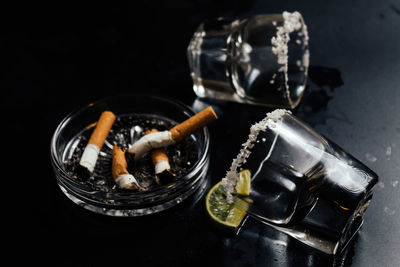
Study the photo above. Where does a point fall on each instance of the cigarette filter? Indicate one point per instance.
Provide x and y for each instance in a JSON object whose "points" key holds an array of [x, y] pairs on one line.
{"points": [[119, 170], [96, 141], [194, 123], [161, 164]]}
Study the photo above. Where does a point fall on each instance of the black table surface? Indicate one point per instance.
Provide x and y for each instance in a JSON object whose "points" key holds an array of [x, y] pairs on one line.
{"points": [[59, 57]]}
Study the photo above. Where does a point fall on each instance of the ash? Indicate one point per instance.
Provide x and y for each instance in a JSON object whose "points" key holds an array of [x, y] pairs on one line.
{"points": [[127, 129]]}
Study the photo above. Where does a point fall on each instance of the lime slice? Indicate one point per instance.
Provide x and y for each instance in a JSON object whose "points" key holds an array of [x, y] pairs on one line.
{"points": [[243, 185], [220, 210]]}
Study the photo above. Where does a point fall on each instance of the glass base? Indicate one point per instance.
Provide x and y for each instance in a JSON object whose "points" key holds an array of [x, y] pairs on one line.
{"points": [[205, 93], [323, 237], [315, 240]]}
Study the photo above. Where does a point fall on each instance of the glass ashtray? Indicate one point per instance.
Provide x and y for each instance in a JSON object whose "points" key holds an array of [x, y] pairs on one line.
{"points": [[99, 193]]}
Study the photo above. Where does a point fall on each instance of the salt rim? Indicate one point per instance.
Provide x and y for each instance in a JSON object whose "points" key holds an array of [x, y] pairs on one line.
{"points": [[292, 22], [232, 176]]}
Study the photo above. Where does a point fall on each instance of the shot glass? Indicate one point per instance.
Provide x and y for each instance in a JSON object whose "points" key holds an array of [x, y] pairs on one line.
{"points": [[304, 184], [260, 60]]}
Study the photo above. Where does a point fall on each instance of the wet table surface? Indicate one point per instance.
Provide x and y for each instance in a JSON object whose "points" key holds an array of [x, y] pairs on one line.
{"points": [[63, 57]]}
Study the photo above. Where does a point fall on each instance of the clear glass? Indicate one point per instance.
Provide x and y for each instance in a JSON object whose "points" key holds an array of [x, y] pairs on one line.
{"points": [[234, 60], [306, 186], [163, 197]]}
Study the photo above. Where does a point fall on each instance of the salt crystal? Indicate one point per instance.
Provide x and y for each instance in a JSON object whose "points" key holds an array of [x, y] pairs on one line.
{"points": [[292, 22], [306, 60], [231, 177], [389, 211], [389, 151]]}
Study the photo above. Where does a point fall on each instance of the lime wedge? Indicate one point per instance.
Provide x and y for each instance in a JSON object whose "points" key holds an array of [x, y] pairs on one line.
{"points": [[243, 185], [220, 210]]}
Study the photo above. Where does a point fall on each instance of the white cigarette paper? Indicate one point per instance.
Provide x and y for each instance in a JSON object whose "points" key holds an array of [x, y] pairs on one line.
{"points": [[161, 165], [174, 135], [127, 181], [89, 157], [159, 157], [149, 142]]}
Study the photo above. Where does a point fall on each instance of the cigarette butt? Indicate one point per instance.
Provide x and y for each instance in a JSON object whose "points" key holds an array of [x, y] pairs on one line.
{"points": [[158, 156], [102, 129], [149, 142], [95, 143], [120, 172], [162, 168], [194, 123], [176, 134], [119, 164]]}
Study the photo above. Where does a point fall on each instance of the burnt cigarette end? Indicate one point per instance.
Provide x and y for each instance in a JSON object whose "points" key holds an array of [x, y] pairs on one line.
{"points": [[165, 177], [133, 186], [82, 172]]}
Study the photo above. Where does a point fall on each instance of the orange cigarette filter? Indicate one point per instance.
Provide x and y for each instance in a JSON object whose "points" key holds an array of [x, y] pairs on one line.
{"points": [[95, 143], [102, 129], [162, 168], [120, 171], [194, 123], [158, 155], [119, 164]]}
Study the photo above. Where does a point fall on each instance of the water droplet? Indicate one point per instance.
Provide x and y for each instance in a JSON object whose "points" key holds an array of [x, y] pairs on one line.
{"points": [[370, 157], [388, 151], [389, 211]]}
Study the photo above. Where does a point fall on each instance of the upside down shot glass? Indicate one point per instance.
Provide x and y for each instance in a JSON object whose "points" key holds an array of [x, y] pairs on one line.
{"points": [[260, 60], [303, 184]]}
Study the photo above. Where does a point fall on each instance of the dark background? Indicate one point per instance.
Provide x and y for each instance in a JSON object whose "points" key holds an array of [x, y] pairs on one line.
{"points": [[57, 57]]}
